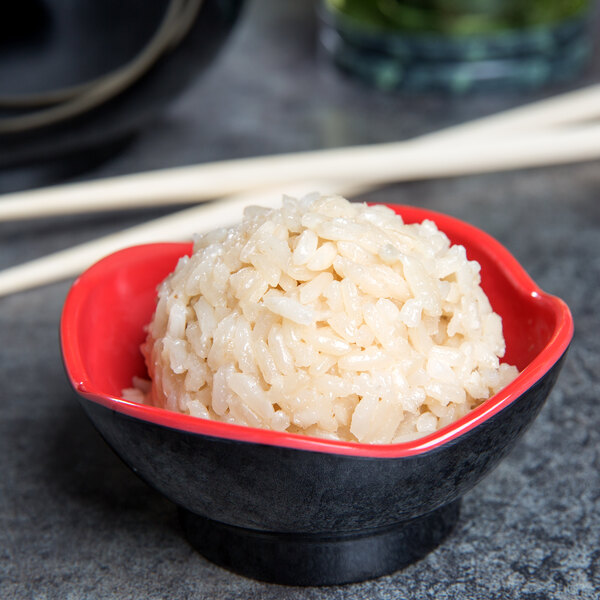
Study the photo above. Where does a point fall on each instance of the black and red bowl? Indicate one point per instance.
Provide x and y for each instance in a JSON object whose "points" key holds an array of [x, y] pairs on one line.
{"points": [[290, 508]]}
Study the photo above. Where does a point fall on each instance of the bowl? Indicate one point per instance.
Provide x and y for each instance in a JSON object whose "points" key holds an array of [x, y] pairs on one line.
{"points": [[62, 44], [290, 508]]}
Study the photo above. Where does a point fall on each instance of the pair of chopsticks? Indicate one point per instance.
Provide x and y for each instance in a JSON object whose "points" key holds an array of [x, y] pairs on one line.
{"points": [[558, 130]]}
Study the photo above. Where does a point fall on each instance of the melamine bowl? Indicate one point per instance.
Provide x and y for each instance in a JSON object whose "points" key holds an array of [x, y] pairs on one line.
{"points": [[290, 508]]}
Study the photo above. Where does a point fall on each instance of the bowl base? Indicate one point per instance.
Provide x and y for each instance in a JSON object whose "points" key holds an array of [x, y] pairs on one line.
{"points": [[319, 559]]}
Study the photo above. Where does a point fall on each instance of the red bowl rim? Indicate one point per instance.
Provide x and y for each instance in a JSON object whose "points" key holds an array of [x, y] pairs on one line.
{"points": [[531, 374]]}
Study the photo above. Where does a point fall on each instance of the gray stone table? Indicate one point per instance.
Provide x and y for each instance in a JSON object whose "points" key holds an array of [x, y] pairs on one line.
{"points": [[76, 523]]}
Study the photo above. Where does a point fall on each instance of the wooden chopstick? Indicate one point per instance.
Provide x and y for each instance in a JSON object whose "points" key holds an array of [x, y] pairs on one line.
{"points": [[426, 156], [362, 170], [377, 164], [535, 135], [543, 148]]}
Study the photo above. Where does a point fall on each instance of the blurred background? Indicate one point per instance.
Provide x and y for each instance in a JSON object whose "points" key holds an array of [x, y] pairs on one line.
{"points": [[292, 76]]}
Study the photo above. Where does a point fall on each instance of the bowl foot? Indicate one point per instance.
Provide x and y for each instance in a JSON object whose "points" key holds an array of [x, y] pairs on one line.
{"points": [[318, 559]]}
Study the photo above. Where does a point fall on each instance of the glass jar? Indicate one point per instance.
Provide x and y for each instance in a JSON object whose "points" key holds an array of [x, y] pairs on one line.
{"points": [[457, 45]]}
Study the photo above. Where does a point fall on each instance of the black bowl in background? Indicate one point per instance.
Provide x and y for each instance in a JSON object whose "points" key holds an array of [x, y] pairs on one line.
{"points": [[74, 42]]}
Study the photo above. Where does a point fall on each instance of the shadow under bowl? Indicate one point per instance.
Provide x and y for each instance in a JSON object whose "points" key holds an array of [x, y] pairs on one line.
{"points": [[290, 508]]}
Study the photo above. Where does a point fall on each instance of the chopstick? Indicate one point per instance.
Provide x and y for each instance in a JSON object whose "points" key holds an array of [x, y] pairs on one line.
{"points": [[361, 171], [175, 227], [521, 133], [539, 134]]}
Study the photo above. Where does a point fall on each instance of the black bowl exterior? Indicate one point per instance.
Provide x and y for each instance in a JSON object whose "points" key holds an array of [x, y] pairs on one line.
{"points": [[319, 559], [277, 490], [271, 488]]}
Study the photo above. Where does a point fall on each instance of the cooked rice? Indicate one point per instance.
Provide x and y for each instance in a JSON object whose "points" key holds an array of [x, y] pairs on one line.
{"points": [[326, 318]]}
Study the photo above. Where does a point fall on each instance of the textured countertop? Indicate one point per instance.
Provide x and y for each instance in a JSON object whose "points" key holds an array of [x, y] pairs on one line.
{"points": [[76, 523]]}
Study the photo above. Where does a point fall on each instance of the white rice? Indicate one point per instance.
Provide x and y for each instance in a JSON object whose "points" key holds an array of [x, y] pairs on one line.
{"points": [[326, 318]]}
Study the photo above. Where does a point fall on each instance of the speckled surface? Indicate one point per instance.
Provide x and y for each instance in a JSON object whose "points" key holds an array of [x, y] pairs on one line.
{"points": [[76, 523]]}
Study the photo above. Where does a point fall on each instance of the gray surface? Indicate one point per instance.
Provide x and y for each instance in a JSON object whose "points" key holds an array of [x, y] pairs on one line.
{"points": [[76, 523]]}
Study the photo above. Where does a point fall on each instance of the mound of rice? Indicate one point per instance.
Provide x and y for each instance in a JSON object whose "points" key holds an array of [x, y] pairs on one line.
{"points": [[326, 318]]}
